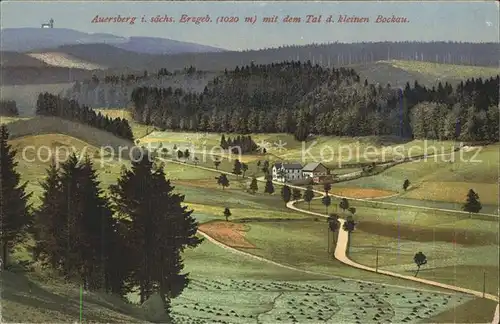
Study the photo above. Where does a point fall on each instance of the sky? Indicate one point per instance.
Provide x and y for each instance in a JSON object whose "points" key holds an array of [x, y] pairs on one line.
{"points": [[428, 21]]}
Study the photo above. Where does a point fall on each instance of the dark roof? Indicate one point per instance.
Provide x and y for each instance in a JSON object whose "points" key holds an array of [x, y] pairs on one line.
{"points": [[312, 166], [279, 165]]}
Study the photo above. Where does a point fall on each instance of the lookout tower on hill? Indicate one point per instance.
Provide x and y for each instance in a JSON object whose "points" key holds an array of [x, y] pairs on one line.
{"points": [[49, 25]]}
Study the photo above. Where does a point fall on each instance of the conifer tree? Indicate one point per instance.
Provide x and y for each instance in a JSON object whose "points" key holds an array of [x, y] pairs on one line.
{"points": [[160, 228], [269, 188], [14, 207], [253, 185], [286, 193], [472, 203], [49, 219]]}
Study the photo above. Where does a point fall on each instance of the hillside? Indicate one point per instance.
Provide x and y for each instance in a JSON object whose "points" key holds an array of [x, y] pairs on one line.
{"points": [[53, 125], [63, 60], [16, 59], [398, 72], [41, 300], [105, 55], [157, 45], [29, 39]]}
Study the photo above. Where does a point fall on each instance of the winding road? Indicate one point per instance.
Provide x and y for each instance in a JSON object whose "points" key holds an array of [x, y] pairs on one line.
{"points": [[343, 241]]}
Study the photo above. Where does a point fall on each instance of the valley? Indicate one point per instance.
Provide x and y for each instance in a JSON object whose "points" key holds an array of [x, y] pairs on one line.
{"points": [[156, 180]]}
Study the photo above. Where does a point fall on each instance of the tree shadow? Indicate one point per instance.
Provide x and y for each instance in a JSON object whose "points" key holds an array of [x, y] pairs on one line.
{"points": [[21, 290]]}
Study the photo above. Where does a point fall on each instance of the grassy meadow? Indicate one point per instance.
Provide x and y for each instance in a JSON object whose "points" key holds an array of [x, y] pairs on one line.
{"points": [[231, 288], [454, 244], [445, 71], [446, 179]]}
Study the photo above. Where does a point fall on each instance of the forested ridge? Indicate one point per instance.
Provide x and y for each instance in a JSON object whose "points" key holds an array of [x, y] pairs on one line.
{"points": [[8, 108], [302, 98], [52, 105]]}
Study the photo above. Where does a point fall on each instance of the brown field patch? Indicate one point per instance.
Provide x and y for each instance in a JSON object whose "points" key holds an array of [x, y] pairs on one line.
{"points": [[361, 192], [424, 234], [232, 234]]}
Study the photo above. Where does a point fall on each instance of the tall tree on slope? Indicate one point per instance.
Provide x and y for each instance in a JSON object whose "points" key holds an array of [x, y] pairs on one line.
{"points": [[14, 208], [159, 230]]}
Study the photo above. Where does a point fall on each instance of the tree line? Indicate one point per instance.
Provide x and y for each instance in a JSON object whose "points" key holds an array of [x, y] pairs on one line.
{"points": [[302, 99], [83, 234], [244, 143], [52, 105], [8, 108]]}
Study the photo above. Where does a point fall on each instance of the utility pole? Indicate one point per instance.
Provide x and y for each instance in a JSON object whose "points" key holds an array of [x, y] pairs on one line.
{"points": [[484, 284], [376, 263], [328, 229]]}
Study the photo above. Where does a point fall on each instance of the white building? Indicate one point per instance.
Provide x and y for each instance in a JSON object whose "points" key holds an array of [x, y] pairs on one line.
{"points": [[287, 172], [49, 25]]}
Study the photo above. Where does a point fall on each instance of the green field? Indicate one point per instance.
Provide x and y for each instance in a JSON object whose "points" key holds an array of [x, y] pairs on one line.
{"points": [[445, 71], [233, 288], [440, 180], [456, 246]]}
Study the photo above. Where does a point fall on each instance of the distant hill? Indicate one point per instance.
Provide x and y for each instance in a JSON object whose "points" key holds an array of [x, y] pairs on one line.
{"points": [[106, 55], [13, 59], [35, 39], [29, 39], [156, 45]]}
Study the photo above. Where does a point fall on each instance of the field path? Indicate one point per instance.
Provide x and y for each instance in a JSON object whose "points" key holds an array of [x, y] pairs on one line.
{"points": [[261, 179], [343, 241], [281, 265], [340, 254]]}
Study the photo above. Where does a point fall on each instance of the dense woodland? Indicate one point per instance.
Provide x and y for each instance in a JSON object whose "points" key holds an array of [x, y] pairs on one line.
{"points": [[302, 99], [244, 143], [52, 105], [8, 108], [113, 90], [83, 235]]}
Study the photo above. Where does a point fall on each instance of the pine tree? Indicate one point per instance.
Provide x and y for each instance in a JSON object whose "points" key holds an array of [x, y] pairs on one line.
{"points": [[326, 200], [227, 213], [244, 168], [472, 203], [296, 194], [406, 184], [222, 181], [344, 204], [237, 167], [14, 207], [269, 188], [97, 226], [253, 185], [309, 195], [49, 219], [286, 193], [160, 229]]}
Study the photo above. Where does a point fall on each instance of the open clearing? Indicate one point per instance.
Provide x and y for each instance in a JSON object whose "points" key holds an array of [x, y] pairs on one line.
{"points": [[65, 60], [232, 234], [445, 71]]}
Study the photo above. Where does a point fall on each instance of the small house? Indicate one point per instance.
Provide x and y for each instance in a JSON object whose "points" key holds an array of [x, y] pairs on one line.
{"points": [[284, 172], [314, 170]]}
